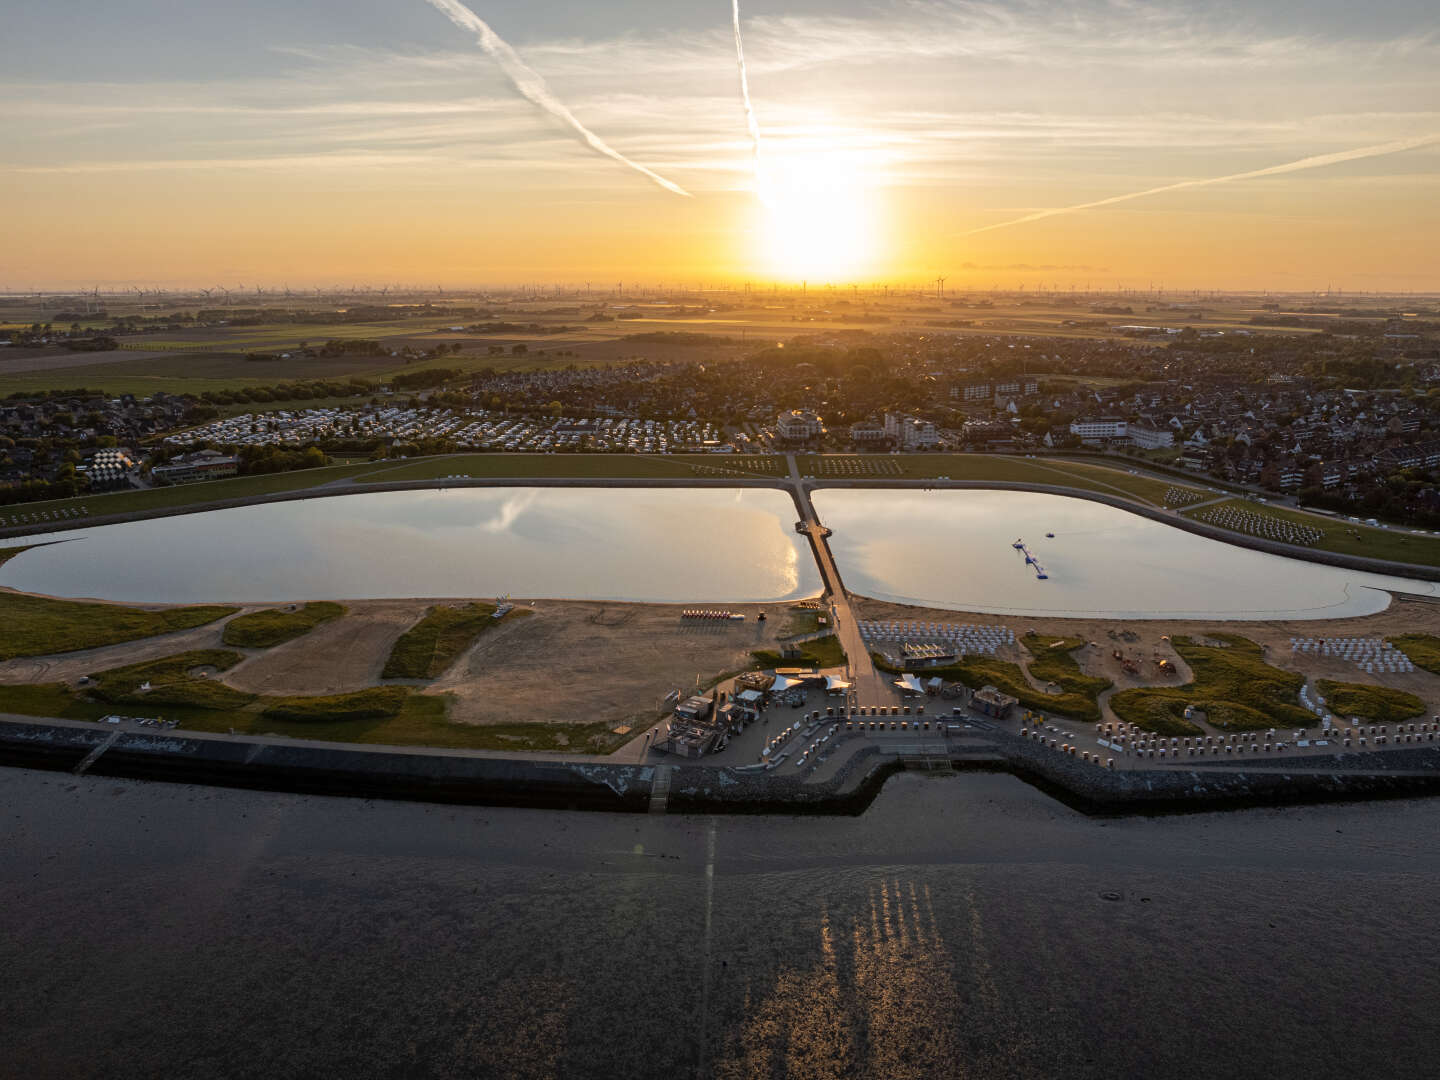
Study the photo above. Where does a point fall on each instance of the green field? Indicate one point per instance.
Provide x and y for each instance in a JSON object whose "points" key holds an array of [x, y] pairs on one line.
{"points": [[1077, 698], [163, 498], [372, 703], [437, 640], [580, 467], [220, 364], [1233, 685], [1377, 704], [264, 629], [1053, 663], [824, 652], [39, 626], [171, 682], [420, 721], [1347, 538], [1422, 649]]}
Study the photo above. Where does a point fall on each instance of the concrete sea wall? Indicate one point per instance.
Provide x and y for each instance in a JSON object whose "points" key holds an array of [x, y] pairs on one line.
{"points": [[329, 769]]}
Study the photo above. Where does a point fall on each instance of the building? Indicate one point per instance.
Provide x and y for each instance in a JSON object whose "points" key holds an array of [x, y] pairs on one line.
{"points": [[867, 431], [1148, 438], [975, 391], [1023, 386], [797, 425], [204, 465], [1104, 427], [908, 433], [988, 701]]}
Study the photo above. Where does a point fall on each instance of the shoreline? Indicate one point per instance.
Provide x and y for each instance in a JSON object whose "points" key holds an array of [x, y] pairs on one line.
{"points": [[488, 779], [1415, 571]]}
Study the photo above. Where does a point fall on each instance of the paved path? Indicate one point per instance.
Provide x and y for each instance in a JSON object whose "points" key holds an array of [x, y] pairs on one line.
{"points": [[871, 686]]}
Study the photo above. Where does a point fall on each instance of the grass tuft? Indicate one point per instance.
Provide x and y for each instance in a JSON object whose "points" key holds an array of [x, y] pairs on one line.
{"points": [[437, 640], [264, 629], [39, 626]]}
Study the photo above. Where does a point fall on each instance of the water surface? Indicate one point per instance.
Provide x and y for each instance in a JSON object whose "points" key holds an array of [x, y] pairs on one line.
{"points": [[953, 549], [699, 545], [962, 927]]}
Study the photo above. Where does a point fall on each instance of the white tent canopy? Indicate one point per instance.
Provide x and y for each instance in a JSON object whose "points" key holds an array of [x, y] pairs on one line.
{"points": [[910, 684]]}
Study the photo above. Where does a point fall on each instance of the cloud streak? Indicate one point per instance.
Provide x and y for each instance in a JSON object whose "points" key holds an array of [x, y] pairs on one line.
{"points": [[1317, 161], [534, 88], [751, 123]]}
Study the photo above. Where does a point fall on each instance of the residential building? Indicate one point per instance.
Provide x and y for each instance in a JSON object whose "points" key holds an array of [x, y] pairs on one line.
{"points": [[797, 425]]}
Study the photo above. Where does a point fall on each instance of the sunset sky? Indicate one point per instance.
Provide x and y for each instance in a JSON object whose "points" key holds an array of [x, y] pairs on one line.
{"points": [[318, 142]]}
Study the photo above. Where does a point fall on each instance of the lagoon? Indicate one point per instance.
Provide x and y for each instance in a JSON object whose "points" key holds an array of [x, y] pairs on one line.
{"points": [[953, 550], [658, 545]]}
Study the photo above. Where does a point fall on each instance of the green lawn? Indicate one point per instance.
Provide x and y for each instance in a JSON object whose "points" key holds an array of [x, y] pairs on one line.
{"points": [[240, 487], [264, 629], [1234, 686], [1052, 662], [420, 721], [977, 671], [989, 467], [437, 640], [172, 683], [39, 626], [372, 703], [1422, 649], [1377, 704], [579, 466], [824, 652], [1347, 538]]}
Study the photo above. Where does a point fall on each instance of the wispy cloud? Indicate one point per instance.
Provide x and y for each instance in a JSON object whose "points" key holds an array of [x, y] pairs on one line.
{"points": [[534, 88], [1315, 161]]}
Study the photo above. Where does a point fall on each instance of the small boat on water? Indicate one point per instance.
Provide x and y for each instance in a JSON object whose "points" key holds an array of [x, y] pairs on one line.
{"points": [[1019, 544], [1049, 536]]}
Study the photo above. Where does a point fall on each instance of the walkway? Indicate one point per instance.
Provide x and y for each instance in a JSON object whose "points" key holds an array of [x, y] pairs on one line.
{"points": [[871, 686]]}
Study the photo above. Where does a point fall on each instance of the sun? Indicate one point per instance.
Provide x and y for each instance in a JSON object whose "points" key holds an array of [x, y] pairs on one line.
{"points": [[817, 216]]}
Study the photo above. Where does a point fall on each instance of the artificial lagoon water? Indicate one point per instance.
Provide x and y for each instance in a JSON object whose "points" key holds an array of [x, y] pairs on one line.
{"points": [[945, 549], [954, 549], [657, 545]]}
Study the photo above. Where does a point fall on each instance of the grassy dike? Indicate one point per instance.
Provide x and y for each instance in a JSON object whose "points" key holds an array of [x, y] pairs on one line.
{"points": [[437, 640], [265, 629], [40, 626], [1233, 686]]}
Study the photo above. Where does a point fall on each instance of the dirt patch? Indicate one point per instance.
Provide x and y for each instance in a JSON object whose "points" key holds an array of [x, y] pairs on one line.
{"points": [[585, 662], [336, 657]]}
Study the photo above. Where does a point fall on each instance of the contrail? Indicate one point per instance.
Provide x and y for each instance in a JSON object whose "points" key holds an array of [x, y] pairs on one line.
{"points": [[750, 121], [762, 186], [1316, 162], [529, 82]]}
